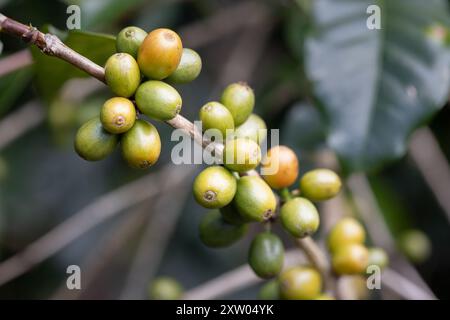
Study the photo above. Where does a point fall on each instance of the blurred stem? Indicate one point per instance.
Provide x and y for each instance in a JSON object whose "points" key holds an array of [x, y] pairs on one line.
{"points": [[285, 194]]}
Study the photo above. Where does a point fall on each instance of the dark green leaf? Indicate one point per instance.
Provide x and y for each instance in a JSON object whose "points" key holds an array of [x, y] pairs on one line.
{"points": [[376, 86]]}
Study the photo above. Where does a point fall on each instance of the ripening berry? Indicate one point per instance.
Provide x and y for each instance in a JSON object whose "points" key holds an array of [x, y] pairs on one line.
{"points": [[214, 115], [165, 288], [93, 142], [300, 283], [122, 74], [214, 187], [266, 255], [299, 217], [281, 164], [141, 145], [160, 53], [351, 258], [254, 199], [118, 115], [320, 184], [216, 233], [346, 231], [240, 100], [158, 100], [189, 68], [241, 154], [129, 40]]}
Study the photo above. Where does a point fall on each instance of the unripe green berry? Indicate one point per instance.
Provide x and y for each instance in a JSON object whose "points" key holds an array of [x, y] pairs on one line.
{"points": [[122, 74], [158, 100], [415, 245], [254, 199], [351, 258], [141, 145], [231, 215], [94, 143], [300, 283], [240, 100], [320, 184], [378, 257], [118, 115], [160, 53], [214, 187], [345, 231], [216, 233], [241, 154], [253, 128], [165, 288], [299, 217], [270, 290], [189, 68], [129, 40], [266, 255], [214, 115]]}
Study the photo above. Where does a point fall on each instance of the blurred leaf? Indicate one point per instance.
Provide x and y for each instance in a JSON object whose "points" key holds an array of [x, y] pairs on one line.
{"points": [[52, 73], [376, 86], [12, 86]]}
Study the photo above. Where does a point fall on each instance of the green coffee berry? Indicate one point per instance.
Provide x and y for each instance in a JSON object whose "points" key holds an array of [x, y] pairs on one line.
{"points": [[351, 258], [320, 184], [129, 40], [141, 145], [240, 100], [270, 290], [158, 100], [241, 154], [118, 115], [266, 255], [189, 68], [299, 217], [253, 128], [378, 257], [94, 143], [165, 288], [122, 74], [300, 283], [254, 199], [346, 231], [214, 115], [216, 233], [214, 187], [231, 215], [415, 245]]}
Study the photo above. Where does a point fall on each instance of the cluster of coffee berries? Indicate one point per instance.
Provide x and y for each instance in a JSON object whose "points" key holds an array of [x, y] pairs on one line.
{"points": [[140, 75]]}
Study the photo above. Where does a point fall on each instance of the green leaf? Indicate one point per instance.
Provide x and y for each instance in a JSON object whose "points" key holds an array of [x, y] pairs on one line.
{"points": [[376, 86], [12, 86], [52, 73]]}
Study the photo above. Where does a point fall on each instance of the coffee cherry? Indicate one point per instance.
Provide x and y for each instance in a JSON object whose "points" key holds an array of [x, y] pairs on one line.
{"points": [[141, 145], [158, 100], [270, 290], [240, 100], [118, 115], [214, 187], [415, 245], [300, 283], [253, 128], [188, 69], [281, 164], [241, 154], [320, 184], [231, 215], [299, 217], [122, 74], [214, 115], [165, 288], [346, 231], [325, 296], [378, 257], [94, 143], [160, 53], [216, 233], [129, 40], [351, 258], [254, 199], [266, 255]]}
